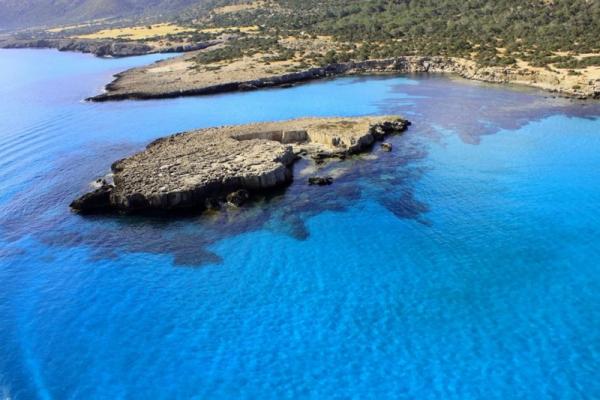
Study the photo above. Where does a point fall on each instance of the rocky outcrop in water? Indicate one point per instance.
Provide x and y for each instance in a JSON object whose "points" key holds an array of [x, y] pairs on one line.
{"points": [[386, 147], [198, 169], [320, 180], [96, 201]]}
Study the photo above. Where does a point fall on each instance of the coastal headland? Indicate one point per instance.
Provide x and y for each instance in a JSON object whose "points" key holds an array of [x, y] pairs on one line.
{"points": [[179, 77], [203, 168]]}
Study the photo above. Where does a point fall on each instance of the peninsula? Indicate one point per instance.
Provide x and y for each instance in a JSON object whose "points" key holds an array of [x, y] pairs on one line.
{"points": [[179, 77], [200, 169]]}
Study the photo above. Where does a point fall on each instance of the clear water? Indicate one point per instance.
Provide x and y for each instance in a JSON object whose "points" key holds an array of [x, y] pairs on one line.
{"points": [[463, 265]]}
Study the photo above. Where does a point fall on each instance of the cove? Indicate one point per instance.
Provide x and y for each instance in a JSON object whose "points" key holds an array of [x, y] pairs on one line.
{"points": [[462, 265]]}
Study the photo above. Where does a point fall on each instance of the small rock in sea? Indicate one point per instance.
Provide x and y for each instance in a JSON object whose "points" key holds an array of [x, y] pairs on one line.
{"points": [[320, 180], [238, 198], [386, 146]]}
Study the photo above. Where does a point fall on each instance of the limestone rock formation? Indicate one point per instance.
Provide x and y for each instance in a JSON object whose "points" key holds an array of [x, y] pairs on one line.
{"points": [[96, 201], [195, 169]]}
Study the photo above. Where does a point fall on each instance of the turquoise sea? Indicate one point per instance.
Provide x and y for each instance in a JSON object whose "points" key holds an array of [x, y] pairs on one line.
{"points": [[465, 264]]}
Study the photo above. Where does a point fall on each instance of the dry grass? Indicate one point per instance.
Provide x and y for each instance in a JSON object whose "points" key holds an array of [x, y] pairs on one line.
{"points": [[137, 32], [239, 7]]}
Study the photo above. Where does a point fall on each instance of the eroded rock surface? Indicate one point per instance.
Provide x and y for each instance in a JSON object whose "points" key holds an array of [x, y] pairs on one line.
{"points": [[190, 170]]}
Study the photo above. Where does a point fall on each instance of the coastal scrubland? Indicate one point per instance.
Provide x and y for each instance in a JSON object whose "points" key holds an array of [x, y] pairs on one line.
{"points": [[551, 44]]}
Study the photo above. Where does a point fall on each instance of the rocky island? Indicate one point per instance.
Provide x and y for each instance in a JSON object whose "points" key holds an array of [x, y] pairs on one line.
{"points": [[198, 169]]}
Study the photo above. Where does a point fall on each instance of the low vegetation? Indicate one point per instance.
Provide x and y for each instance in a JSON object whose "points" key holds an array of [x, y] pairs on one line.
{"points": [[489, 32], [557, 35]]}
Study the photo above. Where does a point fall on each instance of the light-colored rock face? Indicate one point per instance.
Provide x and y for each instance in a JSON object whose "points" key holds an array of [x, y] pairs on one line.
{"points": [[186, 170], [180, 169]]}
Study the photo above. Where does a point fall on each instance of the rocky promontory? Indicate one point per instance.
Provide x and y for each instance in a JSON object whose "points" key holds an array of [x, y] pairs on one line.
{"points": [[179, 77], [195, 170]]}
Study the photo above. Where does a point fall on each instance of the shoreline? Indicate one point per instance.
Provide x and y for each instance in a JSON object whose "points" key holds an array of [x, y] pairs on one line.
{"points": [[134, 84]]}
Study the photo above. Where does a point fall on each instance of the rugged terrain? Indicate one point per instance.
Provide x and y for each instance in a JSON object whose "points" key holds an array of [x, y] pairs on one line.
{"points": [[199, 169], [547, 44]]}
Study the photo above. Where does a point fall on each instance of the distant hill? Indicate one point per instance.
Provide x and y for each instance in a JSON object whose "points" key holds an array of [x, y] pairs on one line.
{"points": [[29, 13]]}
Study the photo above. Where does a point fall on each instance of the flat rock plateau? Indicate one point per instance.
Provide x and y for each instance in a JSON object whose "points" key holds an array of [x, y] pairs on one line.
{"points": [[198, 169]]}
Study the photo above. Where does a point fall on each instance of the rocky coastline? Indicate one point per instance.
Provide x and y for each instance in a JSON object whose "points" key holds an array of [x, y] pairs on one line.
{"points": [[101, 48], [143, 83], [208, 167]]}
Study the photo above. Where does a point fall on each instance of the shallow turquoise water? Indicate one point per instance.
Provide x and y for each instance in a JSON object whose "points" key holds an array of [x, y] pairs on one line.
{"points": [[464, 264]]}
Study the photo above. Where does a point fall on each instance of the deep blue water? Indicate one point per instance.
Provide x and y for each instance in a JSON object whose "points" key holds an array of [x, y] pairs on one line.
{"points": [[463, 265]]}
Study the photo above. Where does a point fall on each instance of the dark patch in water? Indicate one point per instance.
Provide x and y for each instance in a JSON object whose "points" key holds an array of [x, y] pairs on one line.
{"points": [[291, 225], [473, 109], [188, 238], [405, 205], [11, 253]]}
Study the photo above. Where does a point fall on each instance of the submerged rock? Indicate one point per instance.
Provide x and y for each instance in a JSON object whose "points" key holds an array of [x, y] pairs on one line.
{"points": [[320, 180], [193, 170]]}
